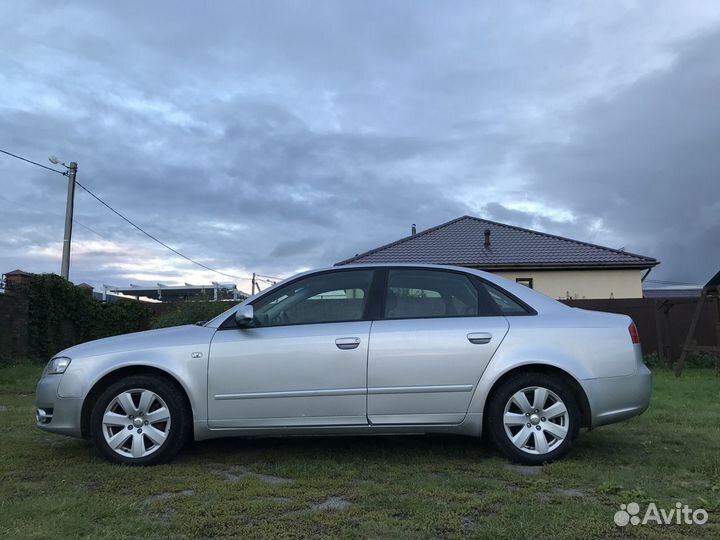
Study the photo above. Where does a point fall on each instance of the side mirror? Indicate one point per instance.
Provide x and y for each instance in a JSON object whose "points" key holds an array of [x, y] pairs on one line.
{"points": [[244, 316]]}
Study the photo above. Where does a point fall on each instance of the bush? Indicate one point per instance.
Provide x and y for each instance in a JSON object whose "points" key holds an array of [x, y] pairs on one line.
{"points": [[700, 360], [693, 360], [652, 360], [61, 315], [190, 313]]}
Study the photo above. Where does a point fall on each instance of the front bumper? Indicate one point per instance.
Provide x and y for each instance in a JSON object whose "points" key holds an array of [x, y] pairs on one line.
{"points": [[614, 399], [53, 413]]}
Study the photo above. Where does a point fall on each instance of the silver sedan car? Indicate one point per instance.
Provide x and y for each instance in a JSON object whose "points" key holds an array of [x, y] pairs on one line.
{"points": [[361, 349]]}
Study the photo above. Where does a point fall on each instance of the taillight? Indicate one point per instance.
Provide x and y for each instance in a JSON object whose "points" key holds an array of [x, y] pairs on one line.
{"points": [[634, 334]]}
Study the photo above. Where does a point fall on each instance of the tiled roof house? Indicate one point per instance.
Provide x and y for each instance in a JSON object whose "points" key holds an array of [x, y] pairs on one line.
{"points": [[557, 266]]}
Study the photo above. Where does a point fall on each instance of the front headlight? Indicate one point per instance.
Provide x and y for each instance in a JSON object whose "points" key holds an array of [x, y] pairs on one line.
{"points": [[57, 365]]}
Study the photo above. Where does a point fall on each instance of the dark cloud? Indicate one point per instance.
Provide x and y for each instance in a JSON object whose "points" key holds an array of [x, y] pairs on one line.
{"points": [[271, 137], [646, 163]]}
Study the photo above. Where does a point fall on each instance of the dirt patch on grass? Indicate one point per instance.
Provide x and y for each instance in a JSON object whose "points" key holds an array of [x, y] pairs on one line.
{"points": [[168, 495], [525, 470], [234, 473], [333, 503], [570, 492], [229, 473]]}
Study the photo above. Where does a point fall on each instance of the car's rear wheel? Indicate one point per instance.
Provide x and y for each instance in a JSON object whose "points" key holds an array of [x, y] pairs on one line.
{"points": [[140, 420], [533, 418]]}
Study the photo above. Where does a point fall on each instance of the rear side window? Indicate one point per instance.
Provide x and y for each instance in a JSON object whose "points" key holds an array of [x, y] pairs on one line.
{"points": [[504, 302], [417, 293]]}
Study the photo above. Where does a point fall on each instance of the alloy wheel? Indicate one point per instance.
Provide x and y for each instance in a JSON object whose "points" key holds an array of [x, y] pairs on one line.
{"points": [[136, 423], [536, 420]]}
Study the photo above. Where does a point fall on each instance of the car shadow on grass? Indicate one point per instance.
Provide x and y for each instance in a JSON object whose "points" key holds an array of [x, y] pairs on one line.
{"points": [[378, 447], [382, 447], [385, 449]]}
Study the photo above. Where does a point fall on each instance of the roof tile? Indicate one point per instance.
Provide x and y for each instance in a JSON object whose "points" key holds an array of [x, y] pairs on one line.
{"points": [[462, 242]]}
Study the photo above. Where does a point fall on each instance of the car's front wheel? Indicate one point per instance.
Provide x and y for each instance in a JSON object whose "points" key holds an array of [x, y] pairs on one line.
{"points": [[533, 418], [140, 420]]}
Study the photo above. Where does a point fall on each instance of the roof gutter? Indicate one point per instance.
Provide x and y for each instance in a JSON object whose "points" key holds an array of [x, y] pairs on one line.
{"points": [[555, 266]]}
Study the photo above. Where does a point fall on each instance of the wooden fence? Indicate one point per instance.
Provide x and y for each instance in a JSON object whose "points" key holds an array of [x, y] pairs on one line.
{"points": [[663, 322]]}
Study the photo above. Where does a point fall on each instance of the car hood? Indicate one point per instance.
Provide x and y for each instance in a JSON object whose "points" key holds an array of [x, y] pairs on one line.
{"points": [[150, 339]]}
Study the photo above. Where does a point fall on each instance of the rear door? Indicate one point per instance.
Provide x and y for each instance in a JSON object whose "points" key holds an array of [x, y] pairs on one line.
{"points": [[437, 332]]}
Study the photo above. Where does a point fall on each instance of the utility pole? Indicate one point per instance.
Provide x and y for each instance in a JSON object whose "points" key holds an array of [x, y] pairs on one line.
{"points": [[65, 268], [252, 291]]}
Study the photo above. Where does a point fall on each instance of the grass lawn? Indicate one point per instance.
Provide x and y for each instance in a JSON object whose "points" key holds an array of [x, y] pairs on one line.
{"points": [[374, 487]]}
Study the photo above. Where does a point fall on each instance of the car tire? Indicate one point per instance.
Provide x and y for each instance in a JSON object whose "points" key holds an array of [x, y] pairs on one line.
{"points": [[539, 428], [140, 420]]}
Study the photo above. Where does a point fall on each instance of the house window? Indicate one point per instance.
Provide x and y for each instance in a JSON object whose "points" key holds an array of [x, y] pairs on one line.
{"points": [[527, 281]]}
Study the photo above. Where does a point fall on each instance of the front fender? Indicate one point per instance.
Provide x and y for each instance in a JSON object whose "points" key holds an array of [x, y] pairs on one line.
{"points": [[177, 361]]}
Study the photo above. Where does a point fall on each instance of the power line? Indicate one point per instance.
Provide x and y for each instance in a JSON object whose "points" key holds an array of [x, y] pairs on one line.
{"points": [[127, 220], [154, 238], [64, 173], [76, 222], [270, 277]]}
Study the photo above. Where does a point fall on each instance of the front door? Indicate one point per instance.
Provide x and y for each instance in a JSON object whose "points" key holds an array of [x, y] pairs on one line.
{"points": [[303, 362], [427, 353]]}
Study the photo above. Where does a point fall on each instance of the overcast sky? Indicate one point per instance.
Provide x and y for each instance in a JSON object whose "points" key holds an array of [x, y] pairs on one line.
{"points": [[273, 136]]}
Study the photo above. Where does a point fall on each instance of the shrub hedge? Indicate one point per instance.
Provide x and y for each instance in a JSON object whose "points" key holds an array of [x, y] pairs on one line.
{"points": [[61, 315], [190, 313]]}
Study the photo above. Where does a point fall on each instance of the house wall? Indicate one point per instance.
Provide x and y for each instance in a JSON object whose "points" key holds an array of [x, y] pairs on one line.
{"points": [[583, 284]]}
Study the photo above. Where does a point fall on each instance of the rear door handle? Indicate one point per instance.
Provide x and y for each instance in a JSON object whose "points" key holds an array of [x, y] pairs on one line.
{"points": [[346, 343], [479, 338]]}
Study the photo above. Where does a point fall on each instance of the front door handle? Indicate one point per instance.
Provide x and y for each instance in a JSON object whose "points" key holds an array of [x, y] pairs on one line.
{"points": [[346, 343], [479, 338]]}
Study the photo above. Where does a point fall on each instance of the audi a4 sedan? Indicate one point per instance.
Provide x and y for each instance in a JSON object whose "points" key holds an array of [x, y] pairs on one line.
{"points": [[357, 349]]}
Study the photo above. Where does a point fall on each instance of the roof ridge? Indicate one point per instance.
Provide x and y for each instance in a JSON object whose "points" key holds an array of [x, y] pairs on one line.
{"points": [[400, 241], [558, 237]]}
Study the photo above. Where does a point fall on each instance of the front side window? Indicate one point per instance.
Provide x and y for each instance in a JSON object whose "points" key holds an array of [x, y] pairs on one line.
{"points": [[322, 298], [416, 293]]}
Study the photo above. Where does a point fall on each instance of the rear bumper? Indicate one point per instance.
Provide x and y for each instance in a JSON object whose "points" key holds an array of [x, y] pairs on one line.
{"points": [[53, 413], [614, 399]]}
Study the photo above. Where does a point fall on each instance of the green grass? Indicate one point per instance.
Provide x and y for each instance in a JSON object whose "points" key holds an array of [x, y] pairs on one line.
{"points": [[397, 487]]}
